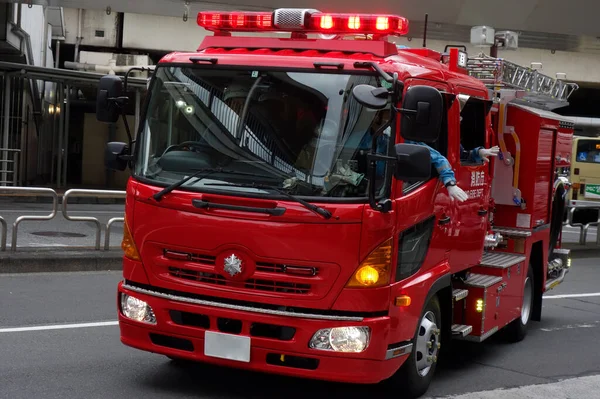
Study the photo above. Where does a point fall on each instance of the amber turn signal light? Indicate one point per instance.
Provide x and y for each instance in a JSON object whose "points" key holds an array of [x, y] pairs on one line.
{"points": [[128, 245], [375, 270]]}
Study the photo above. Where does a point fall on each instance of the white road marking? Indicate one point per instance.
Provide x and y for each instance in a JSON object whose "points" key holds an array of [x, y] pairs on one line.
{"points": [[582, 387], [572, 326], [572, 296], [59, 326]]}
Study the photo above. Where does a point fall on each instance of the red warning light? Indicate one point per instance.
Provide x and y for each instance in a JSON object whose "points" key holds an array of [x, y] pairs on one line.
{"points": [[236, 21], [326, 22], [354, 22], [364, 23], [317, 22]]}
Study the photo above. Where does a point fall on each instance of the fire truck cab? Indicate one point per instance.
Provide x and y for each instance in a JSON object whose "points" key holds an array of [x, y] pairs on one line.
{"points": [[283, 213]]}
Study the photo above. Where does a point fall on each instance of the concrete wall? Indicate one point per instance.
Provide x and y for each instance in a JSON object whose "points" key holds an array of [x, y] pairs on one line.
{"points": [[154, 32], [93, 23]]}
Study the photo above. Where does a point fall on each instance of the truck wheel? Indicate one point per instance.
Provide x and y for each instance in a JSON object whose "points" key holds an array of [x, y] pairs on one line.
{"points": [[517, 330], [415, 375]]}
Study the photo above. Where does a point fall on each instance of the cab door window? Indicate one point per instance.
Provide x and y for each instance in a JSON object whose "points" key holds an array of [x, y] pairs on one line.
{"points": [[472, 130]]}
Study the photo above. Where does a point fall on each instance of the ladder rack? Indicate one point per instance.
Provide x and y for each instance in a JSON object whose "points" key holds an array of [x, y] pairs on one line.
{"points": [[498, 74]]}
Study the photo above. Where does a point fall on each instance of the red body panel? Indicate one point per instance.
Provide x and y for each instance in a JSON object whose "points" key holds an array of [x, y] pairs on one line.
{"points": [[537, 137], [366, 367]]}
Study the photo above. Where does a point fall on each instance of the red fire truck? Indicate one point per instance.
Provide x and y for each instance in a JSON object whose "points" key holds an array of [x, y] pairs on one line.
{"points": [[277, 219]]}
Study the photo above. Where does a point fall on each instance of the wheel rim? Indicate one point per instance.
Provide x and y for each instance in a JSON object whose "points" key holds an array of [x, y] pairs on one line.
{"points": [[527, 296], [427, 344]]}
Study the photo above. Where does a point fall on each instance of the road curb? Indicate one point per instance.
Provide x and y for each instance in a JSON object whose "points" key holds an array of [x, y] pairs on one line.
{"points": [[60, 260], [580, 251]]}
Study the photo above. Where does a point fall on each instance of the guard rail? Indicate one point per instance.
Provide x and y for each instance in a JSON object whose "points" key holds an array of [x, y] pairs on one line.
{"points": [[48, 192]]}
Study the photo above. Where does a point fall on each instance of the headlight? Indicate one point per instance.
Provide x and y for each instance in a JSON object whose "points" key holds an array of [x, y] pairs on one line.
{"points": [[136, 309], [341, 339]]}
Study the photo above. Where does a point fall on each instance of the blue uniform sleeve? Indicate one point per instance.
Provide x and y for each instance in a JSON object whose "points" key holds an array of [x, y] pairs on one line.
{"points": [[440, 163], [470, 156]]}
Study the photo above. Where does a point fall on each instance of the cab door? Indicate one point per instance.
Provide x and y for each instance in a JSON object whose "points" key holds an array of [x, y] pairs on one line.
{"points": [[425, 210], [469, 117]]}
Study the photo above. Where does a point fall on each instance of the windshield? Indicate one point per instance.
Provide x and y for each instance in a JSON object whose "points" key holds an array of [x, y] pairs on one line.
{"points": [[588, 151], [298, 131]]}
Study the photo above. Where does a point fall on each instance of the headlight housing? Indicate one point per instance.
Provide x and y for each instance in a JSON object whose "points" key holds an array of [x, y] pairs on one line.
{"points": [[136, 309], [341, 339]]}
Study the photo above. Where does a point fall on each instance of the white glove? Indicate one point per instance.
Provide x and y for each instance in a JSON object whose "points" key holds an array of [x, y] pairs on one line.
{"points": [[491, 152], [457, 193]]}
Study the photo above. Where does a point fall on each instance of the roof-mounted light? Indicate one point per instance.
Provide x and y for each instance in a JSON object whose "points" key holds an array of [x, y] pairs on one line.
{"points": [[358, 23], [304, 21], [236, 21]]}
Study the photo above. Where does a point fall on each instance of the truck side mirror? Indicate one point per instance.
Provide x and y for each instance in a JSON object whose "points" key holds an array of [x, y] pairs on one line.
{"points": [[422, 113], [116, 156], [110, 91], [370, 96], [413, 162]]}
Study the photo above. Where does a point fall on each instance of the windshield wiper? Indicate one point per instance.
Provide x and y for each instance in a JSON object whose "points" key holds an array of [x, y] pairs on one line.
{"points": [[317, 209], [201, 174]]}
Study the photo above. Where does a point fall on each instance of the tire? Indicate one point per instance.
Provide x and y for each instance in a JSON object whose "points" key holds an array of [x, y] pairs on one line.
{"points": [[414, 377], [517, 329]]}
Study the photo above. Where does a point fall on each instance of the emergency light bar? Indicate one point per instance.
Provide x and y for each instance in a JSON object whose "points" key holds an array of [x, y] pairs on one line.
{"points": [[302, 20]]}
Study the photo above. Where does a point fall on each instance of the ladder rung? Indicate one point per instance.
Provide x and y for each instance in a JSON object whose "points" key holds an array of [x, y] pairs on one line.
{"points": [[501, 260], [459, 294], [482, 280], [461, 330]]}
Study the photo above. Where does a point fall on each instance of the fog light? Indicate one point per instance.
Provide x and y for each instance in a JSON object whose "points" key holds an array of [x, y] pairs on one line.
{"points": [[136, 309], [341, 339]]}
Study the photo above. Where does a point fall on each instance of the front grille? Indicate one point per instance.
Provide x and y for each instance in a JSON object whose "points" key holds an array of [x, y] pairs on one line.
{"points": [[194, 275], [311, 281], [278, 286], [253, 284]]}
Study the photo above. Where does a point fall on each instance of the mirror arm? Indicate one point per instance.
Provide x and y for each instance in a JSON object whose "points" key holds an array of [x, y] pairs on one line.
{"points": [[386, 204], [127, 129], [141, 69], [407, 111]]}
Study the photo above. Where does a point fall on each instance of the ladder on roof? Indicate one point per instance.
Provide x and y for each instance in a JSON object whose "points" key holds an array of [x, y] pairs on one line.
{"points": [[498, 74]]}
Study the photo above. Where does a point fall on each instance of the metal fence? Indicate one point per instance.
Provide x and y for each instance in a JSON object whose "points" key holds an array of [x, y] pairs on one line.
{"points": [[48, 192], [583, 227]]}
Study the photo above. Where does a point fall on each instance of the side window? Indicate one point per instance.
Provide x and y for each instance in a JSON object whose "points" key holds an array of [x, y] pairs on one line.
{"points": [[441, 146], [472, 130], [413, 244]]}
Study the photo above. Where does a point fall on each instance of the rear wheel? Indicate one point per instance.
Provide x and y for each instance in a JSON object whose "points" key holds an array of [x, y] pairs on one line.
{"points": [[517, 330], [415, 375]]}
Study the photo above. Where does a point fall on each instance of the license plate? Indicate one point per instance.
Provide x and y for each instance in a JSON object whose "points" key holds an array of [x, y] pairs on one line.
{"points": [[592, 191], [227, 346]]}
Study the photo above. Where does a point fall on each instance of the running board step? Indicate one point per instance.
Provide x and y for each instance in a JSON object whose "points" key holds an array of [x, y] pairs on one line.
{"points": [[509, 232], [482, 280], [459, 294], [500, 260], [461, 330]]}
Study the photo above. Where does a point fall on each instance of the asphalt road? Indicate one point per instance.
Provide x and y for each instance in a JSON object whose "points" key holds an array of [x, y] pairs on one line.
{"points": [[60, 232], [90, 361]]}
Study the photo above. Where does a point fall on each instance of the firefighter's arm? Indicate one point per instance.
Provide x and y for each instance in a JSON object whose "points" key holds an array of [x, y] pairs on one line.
{"points": [[446, 174]]}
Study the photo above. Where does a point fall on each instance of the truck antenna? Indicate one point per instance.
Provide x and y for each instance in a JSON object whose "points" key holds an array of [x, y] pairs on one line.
{"points": [[425, 31]]}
